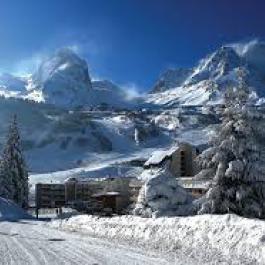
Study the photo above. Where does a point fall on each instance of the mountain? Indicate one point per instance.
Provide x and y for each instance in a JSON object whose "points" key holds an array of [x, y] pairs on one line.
{"points": [[105, 93], [171, 78], [58, 136], [63, 79], [11, 82], [206, 83]]}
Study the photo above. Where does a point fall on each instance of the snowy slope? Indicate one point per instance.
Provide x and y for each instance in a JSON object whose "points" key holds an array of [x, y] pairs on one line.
{"points": [[55, 139], [206, 83], [10, 211]]}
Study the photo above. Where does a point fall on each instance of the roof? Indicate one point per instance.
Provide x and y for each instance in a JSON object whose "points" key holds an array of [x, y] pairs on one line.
{"points": [[159, 156], [191, 183], [71, 179], [106, 194]]}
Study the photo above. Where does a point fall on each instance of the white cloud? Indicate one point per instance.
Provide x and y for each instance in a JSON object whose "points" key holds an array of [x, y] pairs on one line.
{"points": [[75, 47], [243, 47], [28, 65], [132, 90]]}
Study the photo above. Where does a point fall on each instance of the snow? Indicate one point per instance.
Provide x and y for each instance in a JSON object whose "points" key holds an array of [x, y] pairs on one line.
{"points": [[167, 120], [171, 78], [209, 239], [11, 211], [192, 95], [206, 83], [158, 156], [162, 196], [33, 243], [193, 183], [235, 160], [63, 80]]}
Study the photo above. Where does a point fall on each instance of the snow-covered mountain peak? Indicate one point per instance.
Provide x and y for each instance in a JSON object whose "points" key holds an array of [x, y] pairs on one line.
{"points": [[63, 62], [63, 79], [207, 81], [216, 65]]}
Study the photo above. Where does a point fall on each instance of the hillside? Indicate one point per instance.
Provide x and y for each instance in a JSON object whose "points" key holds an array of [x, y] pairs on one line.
{"points": [[90, 127]]}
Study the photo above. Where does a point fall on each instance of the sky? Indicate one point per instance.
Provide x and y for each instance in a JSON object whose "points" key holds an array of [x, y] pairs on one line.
{"points": [[127, 41]]}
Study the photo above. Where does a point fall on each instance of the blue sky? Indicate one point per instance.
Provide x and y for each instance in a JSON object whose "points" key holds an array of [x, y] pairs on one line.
{"points": [[127, 41]]}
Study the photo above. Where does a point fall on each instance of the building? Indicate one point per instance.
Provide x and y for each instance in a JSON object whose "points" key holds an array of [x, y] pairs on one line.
{"points": [[108, 200], [182, 164], [195, 186], [89, 196], [181, 159]]}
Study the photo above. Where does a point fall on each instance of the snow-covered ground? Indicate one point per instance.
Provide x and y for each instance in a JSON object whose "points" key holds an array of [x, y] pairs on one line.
{"points": [[205, 239], [27, 241], [10, 211], [90, 240], [33, 243]]}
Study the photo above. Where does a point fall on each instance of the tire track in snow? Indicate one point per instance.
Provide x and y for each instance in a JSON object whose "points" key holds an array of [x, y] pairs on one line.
{"points": [[32, 243]]}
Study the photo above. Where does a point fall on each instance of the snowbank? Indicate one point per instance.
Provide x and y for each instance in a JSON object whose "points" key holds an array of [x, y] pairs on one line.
{"points": [[162, 196], [211, 239], [10, 211]]}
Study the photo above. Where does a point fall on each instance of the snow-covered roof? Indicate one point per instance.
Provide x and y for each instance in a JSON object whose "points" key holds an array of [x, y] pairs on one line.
{"points": [[191, 183], [159, 156], [106, 194]]}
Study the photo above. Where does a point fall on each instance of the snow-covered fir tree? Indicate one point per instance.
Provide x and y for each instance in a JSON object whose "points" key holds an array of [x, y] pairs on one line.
{"points": [[6, 183], [14, 174], [236, 160]]}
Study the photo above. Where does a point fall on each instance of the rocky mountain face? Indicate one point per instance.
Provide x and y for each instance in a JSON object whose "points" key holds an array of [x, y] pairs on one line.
{"points": [[170, 79], [206, 83], [63, 79]]}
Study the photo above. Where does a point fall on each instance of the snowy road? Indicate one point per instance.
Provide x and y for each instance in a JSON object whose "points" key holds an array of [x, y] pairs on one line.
{"points": [[28, 242]]}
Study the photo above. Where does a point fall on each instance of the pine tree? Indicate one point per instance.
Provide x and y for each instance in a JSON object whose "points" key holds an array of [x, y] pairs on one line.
{"points": [[13, 168], [6, 183], [236, 159]]}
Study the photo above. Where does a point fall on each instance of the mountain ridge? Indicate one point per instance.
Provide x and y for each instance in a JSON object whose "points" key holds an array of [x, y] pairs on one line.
{"points": [[208, 80]]}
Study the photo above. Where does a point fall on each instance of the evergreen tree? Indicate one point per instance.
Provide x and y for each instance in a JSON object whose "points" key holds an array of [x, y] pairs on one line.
{"points": [[13, 168], [6, 183], [236, 159]]}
